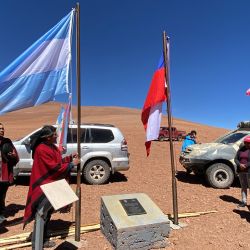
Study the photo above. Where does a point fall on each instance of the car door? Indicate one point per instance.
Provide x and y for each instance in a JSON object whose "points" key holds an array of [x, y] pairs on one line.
{"points": [[102, 141], [72, 142]]}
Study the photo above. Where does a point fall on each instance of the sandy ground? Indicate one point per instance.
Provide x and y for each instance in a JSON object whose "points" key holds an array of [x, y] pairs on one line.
{"points": [[226, 229]]}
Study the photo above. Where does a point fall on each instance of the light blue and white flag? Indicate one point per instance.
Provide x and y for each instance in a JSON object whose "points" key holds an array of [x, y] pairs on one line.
{"points": [[40, 73]]}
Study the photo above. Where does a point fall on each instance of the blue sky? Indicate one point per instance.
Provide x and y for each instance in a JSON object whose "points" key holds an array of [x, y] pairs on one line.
{"points": [[121, 42]]}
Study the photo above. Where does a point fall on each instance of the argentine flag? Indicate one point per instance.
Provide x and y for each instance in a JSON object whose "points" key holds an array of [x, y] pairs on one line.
{"points": [[40, 73]]}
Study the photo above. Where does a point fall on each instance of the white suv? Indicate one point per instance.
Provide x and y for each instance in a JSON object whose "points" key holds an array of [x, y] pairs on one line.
{"points": [[104, 151]]}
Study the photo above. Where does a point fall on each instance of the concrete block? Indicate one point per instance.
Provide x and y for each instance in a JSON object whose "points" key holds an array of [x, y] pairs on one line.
{"points": [[124, 232]]}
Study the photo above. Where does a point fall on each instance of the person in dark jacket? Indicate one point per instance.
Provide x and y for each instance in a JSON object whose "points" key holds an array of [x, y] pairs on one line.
{"points": [[8, 159], [48, 166], [242, 160]]}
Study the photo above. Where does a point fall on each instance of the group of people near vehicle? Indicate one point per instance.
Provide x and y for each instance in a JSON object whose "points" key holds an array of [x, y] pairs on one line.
{"points": [[242, 160], [48, 166]]}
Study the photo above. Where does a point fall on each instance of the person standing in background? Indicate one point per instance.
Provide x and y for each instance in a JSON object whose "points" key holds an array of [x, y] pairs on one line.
{"points": [[190, 139], [242, 160], [8, 159]]}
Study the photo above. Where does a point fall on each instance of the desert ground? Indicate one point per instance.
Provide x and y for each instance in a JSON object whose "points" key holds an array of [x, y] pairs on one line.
{"points": [[226, 229]]}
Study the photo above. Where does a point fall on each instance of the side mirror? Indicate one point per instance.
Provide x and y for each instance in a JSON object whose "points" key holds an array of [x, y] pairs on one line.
{"points": [[26, 142]]}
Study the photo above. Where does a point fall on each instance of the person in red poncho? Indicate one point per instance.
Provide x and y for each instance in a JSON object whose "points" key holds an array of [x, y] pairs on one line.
{"points": [[48, 166], [8, 159]]}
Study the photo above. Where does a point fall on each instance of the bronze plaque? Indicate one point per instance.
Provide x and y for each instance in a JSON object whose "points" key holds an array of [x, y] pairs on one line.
{"points": [[132, 207]]}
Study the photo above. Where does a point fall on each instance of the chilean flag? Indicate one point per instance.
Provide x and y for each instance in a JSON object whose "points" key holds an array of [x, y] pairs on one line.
{"points": [[152, 109]]}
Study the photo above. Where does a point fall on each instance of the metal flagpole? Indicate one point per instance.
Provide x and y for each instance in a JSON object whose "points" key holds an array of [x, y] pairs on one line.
{"points": [[78, 186], [167, 89]]}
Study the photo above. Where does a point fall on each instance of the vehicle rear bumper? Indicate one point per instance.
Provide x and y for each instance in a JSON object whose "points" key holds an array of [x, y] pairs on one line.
{"points": [[120, 164]]}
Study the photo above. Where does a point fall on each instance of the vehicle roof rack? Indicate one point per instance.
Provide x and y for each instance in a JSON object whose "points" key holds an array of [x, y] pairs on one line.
{"points": [[243, 124], [98, 124], [93, 124]]}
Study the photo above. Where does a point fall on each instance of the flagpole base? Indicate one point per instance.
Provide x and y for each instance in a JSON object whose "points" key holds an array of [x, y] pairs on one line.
{"points": [[180, 225]]}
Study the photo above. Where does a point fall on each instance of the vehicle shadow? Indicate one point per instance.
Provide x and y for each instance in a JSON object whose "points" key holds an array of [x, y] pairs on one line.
{"points": [[183, 176], [243, 214], [230, 199], [118, 177], [23, 181]]}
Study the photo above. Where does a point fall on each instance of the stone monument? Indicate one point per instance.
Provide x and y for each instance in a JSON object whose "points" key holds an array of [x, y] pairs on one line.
{"points": [[133, 221]]}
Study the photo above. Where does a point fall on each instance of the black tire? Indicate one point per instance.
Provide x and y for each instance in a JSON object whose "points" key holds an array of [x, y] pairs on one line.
{"points": [[220, 175], [161, 138], [96, 172]]}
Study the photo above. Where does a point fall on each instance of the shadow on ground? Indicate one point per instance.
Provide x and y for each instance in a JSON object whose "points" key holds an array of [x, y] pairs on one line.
{"points": [[66, 246], [229, 199], [12, 209], [59, 225], [22, 181], [118, 177], [183, 176], [243, 214]]}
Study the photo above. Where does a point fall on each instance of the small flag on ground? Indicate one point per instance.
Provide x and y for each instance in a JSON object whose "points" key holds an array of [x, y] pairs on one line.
{"points": [[152, 109]]}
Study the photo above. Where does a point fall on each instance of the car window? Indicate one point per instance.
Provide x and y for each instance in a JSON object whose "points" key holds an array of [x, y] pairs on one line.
{"points": [[231, 138], [72, 135], [100, 135]]}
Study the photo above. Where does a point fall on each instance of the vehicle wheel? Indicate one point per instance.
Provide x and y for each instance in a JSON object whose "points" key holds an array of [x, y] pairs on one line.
{"points": [[96, 172], [161, 138], [220, 175]]}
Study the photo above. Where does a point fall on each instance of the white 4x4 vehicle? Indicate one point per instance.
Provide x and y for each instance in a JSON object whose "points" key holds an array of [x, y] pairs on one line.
{"points": [[104, 151], [216, 160]]}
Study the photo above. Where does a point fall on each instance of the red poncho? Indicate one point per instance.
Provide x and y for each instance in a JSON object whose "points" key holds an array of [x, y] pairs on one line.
{"points": [[48, 166]]}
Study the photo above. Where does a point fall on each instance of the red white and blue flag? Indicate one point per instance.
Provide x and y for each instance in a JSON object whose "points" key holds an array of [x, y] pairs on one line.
{"points": [[62, 126], [248, 92], [152, 109]]}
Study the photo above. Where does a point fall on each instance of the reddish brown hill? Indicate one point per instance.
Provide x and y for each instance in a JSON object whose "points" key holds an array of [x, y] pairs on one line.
{"points": [[20, 122]]}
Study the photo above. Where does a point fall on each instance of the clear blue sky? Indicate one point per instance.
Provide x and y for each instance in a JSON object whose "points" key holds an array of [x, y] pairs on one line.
{"points": [[121, 42]]}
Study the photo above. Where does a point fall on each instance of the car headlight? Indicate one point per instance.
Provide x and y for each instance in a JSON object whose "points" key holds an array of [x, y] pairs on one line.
{"points": [[198, 152]]}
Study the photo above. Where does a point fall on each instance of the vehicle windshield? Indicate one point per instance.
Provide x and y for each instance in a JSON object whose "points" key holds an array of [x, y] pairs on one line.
{"points": [[231, 138]]}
